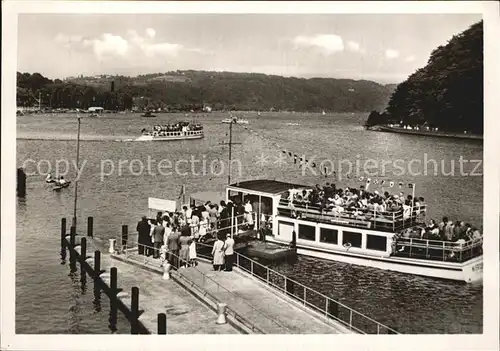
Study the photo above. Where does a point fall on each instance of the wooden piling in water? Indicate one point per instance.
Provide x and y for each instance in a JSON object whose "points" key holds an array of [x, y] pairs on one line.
{"points": [[124, 237], [83, 256], [21, 183], [63, 232], [162, 324], [72, 237], [134, 306], [113, 284], [97, 264], [90, 227]]}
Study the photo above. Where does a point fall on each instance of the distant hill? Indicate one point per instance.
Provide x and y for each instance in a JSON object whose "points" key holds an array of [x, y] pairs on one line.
{"points": [[185, 90], [447, 93]]}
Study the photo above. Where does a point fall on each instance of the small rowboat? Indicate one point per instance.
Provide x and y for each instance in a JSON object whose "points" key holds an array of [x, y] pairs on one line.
{"points": [[61, 186]]}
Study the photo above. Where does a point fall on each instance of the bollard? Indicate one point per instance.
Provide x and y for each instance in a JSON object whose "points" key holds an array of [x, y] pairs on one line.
{"points": [[124, 237], [112, 246], [97, 263], [134, 306], [166, 270], [221, 313], [90, 226], [162, 324]]}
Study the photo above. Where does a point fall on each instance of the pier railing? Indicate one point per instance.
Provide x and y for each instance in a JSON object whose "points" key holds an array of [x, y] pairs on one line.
{"points": [[205, 280], [318, 302]]}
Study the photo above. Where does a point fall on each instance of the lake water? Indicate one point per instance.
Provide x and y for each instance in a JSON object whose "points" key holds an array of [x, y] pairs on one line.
{"points": [[49, 300]]}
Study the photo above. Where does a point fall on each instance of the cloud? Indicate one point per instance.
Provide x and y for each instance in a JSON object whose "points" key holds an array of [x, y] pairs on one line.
{"points": [[107, 45], [410, 58], [391, 54], [150, 32], [132, 46], [150, 48], [327, 43], [353, 46]]}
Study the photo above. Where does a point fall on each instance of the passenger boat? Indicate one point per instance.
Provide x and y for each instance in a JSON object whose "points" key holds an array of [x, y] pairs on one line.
{"points": [[235, 120], [361, 237], [177, 131]]}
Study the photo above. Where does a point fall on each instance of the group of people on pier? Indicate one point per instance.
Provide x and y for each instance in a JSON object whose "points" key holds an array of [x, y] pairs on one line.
{"points": [[330, 198], [173, 236]]}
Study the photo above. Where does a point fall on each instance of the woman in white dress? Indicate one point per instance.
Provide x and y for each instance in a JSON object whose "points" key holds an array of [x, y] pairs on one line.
{"points": [[192, 253], [218, 253]]}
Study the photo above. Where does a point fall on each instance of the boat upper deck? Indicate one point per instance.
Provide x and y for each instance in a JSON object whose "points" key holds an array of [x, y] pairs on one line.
{"points": [[367, 218]]}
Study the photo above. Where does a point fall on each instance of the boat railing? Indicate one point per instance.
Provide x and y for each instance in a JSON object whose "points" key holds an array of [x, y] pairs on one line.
{"points": [[457, 251], [359, 217], [308, 297]]}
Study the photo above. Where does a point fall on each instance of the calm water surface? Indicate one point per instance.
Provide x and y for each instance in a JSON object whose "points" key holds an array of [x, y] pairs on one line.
{"points": [[50, 300]]}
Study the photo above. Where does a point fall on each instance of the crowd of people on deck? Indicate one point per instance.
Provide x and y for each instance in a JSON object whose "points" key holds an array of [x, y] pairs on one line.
{"points": [[330, 198], [446, 230], [173, 236]]}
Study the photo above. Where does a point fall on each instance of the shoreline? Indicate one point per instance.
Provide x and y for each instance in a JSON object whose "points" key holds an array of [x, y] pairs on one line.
{"points": [[425, 133]]}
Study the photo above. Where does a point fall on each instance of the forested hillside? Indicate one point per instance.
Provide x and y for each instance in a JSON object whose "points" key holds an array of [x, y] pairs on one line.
{"points": [[186, 90], [447, 93]]}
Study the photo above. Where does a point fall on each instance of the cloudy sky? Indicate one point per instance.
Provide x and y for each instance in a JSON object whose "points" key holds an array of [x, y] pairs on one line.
{"points": [[384, 48]]}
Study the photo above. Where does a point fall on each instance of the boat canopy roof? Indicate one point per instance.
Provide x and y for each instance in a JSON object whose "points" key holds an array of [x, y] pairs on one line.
{"points": [[273, 187]]}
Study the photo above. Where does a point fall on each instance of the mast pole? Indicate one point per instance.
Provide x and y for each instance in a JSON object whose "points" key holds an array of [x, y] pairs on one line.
{"points": [[230, 146], [77, 169]]}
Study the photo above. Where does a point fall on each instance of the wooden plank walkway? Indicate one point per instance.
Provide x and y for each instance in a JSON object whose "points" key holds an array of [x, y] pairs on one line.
{"points": [[265, 310]]}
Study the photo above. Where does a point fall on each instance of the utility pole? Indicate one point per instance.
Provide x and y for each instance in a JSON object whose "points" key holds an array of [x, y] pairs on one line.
{"points": [[230, 144], [39, 101], [77, 169]]}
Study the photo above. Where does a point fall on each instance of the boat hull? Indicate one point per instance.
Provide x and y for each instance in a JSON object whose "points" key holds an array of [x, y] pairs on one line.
{"points": [[470, 271], [168, 138]]}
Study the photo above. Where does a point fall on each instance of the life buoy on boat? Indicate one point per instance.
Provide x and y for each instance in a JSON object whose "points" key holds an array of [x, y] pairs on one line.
{"points": [[347, 245]]}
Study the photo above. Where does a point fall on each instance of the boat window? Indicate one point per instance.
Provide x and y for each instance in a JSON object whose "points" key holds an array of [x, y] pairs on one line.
{"points": [[329, 236], [376, 242], [352, 238], [307, 232]]}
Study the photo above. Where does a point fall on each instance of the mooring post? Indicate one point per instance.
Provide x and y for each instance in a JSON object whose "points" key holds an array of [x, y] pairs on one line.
{"points": [[21, 183], [83, 252], [112, 298], [124, 237], [90, 226], [162, 324], [97, 263], [63, 232], [72, 235], [134, 327]]}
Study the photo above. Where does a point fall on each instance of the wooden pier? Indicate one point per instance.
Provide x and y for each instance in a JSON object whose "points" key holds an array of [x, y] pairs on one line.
{"points": [[251, 299]]}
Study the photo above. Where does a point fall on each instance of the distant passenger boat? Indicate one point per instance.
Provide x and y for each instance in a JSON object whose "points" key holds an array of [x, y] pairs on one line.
{"points": [[148, 114], [177, 131], [235, 120]]}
